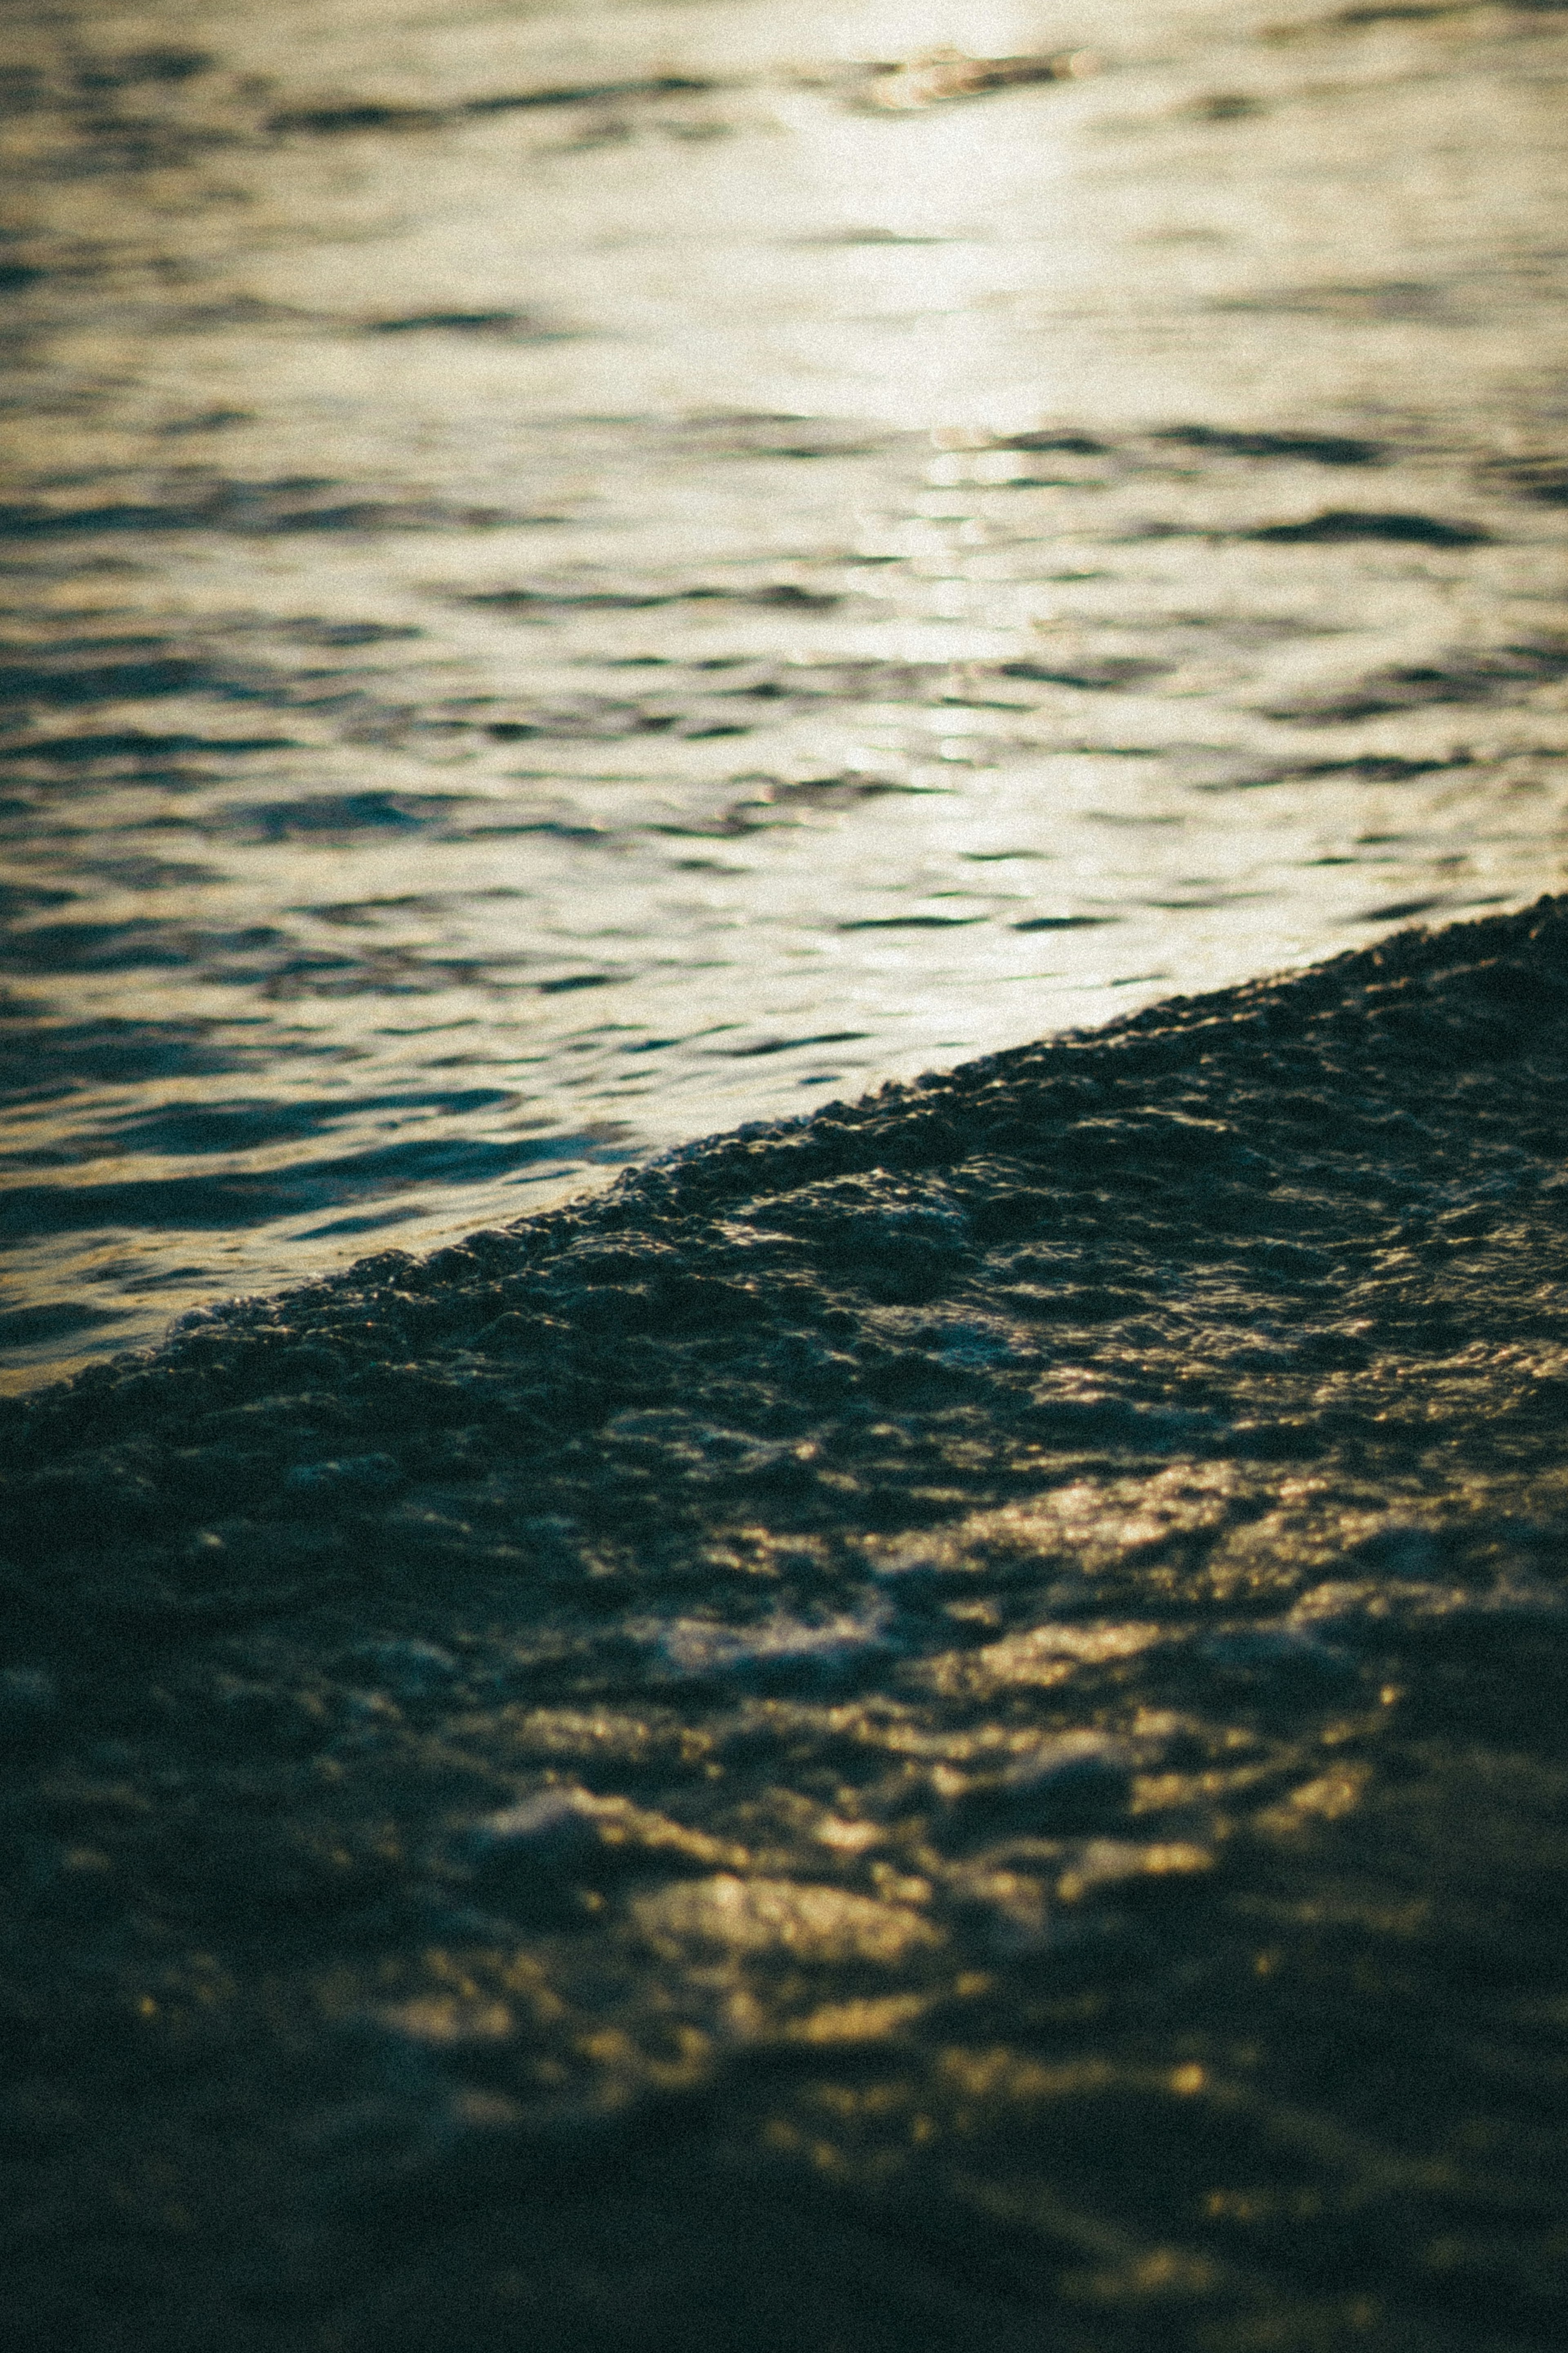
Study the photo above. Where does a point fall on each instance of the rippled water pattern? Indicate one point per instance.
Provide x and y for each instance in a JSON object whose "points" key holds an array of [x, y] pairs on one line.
{"points": [[571, 579]]}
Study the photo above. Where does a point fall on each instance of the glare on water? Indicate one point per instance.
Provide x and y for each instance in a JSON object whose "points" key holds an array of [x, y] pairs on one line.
{"points": [[576, 577]]}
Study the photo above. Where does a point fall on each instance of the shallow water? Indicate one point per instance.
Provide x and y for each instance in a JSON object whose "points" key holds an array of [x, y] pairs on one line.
{"points": [[573, 578]]}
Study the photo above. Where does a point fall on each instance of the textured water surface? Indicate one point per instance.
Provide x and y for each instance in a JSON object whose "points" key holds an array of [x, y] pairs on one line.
{"points": [[573, 578], [938, 1728]]}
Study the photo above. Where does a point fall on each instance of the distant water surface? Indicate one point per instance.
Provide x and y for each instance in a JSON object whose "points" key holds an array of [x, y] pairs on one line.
{"points": [[575, 577]]}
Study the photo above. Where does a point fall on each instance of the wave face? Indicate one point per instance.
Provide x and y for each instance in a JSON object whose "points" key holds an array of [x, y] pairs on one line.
{"points": [[942, 1726]]}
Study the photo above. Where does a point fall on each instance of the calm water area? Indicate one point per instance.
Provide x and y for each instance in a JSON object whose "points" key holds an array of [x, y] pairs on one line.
{"points": [[575, 577]]}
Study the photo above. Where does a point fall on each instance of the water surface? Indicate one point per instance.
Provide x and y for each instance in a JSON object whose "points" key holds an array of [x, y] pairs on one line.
{"points": [[944, 1726], [572, 578]]}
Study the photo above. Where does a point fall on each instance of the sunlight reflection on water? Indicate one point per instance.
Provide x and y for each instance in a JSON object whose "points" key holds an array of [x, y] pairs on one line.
{"points": [[572, 579]]}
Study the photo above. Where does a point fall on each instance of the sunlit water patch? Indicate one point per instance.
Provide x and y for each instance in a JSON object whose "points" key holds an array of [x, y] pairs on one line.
{"points": [[571, 580]]}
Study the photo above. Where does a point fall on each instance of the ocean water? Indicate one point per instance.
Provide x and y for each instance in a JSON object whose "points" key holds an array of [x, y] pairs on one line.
{"points": [[937, 1722], [573, 578], [941, 1726]]}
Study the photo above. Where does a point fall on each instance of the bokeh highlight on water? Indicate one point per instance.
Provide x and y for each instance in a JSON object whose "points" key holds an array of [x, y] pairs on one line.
{"points": [[575, 577]]}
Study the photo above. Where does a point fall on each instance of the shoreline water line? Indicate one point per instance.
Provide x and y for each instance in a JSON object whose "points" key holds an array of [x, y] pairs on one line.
{"points": [[940, 1724]]}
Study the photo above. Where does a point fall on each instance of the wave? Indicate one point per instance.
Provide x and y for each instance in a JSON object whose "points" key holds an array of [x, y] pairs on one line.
{"points": [[938, 1723]]}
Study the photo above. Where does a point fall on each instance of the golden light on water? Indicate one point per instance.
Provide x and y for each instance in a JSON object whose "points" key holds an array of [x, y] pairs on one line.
{"points": [[696, 599]]}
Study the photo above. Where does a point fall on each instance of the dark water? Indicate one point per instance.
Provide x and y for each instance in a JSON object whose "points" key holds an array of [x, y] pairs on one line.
{"points": [[938, 1728], [573, 578], [942, 1727]]}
